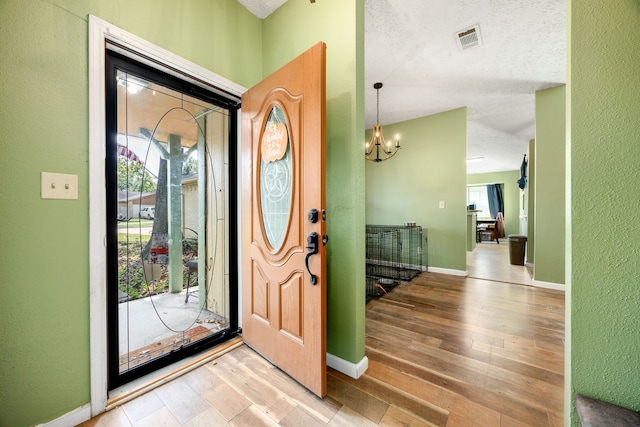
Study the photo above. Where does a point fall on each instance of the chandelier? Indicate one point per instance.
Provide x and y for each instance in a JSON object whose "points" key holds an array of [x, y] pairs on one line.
{"points": [[377, 147]]}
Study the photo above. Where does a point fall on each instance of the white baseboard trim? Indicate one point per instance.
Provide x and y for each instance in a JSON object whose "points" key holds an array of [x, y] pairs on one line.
{"points": [[73, 418], [447, 271], [548, 285], [354, 370]]}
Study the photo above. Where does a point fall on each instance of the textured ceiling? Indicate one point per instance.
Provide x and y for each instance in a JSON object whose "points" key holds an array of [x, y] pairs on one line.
{"points": [[411, 46], [261, 8]]}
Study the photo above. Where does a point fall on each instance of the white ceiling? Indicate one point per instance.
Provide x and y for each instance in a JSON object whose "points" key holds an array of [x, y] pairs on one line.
{"points": [[262, 8], [411, 47]]}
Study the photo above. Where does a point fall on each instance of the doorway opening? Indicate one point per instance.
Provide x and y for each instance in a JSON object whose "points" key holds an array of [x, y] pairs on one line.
{"points": [[171, 218]]}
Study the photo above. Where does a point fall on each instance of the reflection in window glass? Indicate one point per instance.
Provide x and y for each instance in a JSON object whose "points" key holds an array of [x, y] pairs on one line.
{"points": [[171, 211]]}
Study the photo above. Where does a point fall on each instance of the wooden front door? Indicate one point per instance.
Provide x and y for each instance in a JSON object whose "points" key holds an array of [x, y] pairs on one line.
{"points": [[283, 221]]}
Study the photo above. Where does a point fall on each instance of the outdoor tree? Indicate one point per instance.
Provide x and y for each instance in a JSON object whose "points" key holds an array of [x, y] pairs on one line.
{"points": [[134, 177], [190, 166], [161, 223]]}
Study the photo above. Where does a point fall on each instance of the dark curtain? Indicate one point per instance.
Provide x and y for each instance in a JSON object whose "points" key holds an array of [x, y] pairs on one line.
{"points": [[496, 202]]}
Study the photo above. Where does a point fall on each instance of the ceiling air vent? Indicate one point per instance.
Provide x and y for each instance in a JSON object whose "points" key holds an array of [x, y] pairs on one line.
{"points": [[469, 37]]}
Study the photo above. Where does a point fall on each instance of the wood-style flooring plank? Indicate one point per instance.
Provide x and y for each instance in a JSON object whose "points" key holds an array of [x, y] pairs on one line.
{"points": [[501, 348], [347, 417], [299, 417], [432, 392], [182, 401], [395, 417], [322, 409], [355, 397], [253, 416], [490, 355], [220, 395], [142, 406], [496, 399], [420, 409], [208, 418], [162, 417], [443, 351], [115, 417], [265, 397]]}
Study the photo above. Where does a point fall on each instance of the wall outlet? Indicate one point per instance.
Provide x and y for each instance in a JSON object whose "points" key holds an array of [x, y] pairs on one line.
{"points": [[58, 186], [441, 204]]}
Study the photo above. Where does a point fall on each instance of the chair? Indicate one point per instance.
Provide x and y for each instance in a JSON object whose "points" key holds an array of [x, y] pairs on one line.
{"points": [[480, 230], [192, 267], [489, 230]]}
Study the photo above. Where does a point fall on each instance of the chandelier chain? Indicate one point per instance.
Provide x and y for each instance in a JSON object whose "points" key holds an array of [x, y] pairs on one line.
{"points": [[378, 106]]}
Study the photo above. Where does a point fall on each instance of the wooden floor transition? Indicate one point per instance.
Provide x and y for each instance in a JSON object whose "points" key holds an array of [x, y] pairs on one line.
{"points": [[490, 260], [443, 351]]}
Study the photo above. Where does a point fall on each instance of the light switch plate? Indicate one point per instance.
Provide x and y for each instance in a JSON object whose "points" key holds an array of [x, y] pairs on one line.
{"points": [[441, 204], [58, 186]]}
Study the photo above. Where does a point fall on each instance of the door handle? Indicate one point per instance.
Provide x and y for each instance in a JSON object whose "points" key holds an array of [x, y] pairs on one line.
{"points": [[312, 246]]}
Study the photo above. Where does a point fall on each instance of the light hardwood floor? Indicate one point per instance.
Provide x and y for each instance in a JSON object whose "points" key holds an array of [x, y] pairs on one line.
{"points": [[491, 261], [443, 351]]}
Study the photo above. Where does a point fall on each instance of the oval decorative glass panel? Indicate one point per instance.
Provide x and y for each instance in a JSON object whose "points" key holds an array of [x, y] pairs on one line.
{"points": [[275, 177]]}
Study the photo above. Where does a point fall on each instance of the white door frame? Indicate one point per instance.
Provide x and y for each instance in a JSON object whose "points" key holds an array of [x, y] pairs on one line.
{"points": [[103, 36]]}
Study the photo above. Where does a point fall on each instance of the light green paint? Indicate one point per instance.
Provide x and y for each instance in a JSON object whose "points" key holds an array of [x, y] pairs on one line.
{"points": [[511, 194], [222, 35], [472, 224], [531, 198], [603, 320], [428, 169], [550, 191], [289, 31], [44, 274]]}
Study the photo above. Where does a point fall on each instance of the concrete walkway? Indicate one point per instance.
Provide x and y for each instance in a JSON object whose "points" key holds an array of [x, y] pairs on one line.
{"points": [[151, 319]]}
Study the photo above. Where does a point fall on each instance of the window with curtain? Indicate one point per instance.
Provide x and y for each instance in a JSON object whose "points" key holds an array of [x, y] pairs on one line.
{"points": [[488, 199], [495, 198]]}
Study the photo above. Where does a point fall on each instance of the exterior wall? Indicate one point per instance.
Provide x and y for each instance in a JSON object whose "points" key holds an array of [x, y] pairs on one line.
{"points": [[190, 211], [603, 318], [428, 169]]}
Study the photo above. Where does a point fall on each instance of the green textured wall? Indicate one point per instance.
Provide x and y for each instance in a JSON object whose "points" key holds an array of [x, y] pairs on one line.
{"points": [[428, 169], [512, 195], [44, 244], [531, 203], [603, 321], [550, 178], [220, 35], [293, 28]]}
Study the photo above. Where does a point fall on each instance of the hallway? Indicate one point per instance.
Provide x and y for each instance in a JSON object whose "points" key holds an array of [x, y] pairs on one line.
{"points": [[490, 261]]}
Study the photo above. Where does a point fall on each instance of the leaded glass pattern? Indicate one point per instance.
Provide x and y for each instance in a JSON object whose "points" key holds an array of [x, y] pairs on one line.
{"points": [[276, 187]]}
